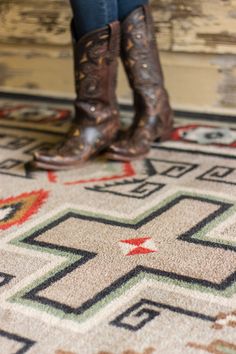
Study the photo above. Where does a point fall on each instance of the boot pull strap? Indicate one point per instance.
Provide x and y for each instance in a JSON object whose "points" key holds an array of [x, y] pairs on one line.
{"points": [[148, 18], [114, 42]]}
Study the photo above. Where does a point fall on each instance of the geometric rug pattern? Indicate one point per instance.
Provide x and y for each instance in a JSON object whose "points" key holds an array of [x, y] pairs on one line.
{"points": [[117, 258]]}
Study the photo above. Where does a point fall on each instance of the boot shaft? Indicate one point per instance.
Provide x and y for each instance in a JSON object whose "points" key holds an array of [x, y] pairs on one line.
{"points": [[139, 50], [95, 67], [140, 56]]}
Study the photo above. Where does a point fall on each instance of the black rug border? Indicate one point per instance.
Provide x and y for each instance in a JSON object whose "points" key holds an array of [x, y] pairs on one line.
{"points": [[123, 106]]}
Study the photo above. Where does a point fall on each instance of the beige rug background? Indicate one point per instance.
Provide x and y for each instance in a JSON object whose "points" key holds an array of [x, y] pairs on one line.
{"points": [[117, 258]]}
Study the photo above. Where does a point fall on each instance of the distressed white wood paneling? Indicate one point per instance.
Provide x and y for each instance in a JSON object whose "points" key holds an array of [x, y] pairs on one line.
{"points": [[197, 41]]}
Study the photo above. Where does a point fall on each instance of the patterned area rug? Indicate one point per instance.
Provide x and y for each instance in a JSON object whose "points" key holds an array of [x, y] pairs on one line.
{"points": [[117, 258]]}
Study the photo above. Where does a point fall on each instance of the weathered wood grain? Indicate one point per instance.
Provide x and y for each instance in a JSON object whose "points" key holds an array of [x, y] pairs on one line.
{"points": [[208, 27], [197, 26], [35, 22], [197, 39], [41, 70], [194, 81]]}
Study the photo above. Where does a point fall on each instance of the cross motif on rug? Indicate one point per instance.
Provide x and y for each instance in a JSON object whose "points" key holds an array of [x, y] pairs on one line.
{"points": [[97, 271]]}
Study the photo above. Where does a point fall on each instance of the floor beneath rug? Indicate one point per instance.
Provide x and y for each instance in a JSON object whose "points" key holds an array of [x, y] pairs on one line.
{"points": [[117, 258]]}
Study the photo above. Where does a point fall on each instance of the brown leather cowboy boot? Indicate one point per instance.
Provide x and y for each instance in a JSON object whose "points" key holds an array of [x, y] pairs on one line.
{"points": [[97, 119], [153, 119]]}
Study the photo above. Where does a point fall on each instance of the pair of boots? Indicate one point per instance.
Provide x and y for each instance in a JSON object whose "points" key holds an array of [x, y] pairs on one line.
{"points": [[96, 127]]}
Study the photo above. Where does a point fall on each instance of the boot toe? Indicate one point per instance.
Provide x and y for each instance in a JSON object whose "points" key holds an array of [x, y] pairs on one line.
{"points": [[53, 156], [127, 151], [119, 147]]}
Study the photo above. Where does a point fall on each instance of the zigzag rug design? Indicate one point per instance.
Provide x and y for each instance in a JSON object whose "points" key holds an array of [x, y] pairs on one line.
{"points": [[117, 258]]}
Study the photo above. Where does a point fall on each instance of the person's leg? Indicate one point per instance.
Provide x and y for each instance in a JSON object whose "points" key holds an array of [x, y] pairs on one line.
{"points": [[96, 122], [90, 15], [153, 117], [125, 7]]}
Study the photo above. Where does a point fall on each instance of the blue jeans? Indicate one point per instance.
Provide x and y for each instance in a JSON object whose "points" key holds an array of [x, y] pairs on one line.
{"points": [[90, 15]]}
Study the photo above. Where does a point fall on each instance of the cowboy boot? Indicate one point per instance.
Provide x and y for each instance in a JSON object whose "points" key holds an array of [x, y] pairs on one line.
{"points": [[153, 115], [96, 120]]}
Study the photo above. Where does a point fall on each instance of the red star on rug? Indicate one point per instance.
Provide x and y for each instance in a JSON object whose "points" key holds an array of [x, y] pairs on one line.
{"points": [[137, 246]]}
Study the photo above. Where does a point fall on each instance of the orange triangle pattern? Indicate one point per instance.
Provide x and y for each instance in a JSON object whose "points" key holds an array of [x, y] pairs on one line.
{"points": [[136, 241], [16, 210], [138, 246], [140, 250]]}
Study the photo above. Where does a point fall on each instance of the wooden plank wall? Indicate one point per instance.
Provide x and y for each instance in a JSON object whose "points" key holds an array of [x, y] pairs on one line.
{"points": [[197, 40]]}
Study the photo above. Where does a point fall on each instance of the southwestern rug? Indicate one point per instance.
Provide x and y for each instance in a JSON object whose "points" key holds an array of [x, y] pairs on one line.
{"points": [[117, 258]]}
